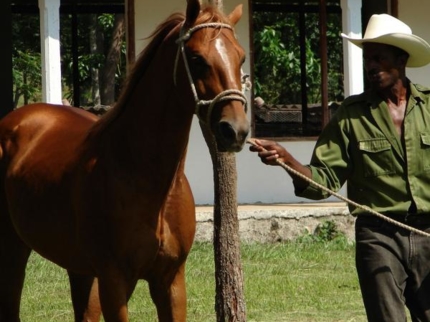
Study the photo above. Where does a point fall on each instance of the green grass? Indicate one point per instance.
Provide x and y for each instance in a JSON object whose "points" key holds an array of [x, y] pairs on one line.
{"points": [[294, 281]]}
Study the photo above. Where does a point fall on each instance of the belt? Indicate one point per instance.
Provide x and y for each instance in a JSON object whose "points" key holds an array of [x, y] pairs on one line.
{"points": [[408, 219]]}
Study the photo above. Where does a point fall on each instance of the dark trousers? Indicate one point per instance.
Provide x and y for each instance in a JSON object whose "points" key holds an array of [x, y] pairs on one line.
{"points": [[393, 266]]}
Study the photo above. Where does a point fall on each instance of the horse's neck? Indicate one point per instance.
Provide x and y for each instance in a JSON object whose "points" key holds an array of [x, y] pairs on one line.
{"points": [[153, 129]]}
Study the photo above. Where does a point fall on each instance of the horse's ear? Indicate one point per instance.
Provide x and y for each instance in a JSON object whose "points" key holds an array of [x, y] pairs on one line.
{"points": [[235, 15], [193, 10]]}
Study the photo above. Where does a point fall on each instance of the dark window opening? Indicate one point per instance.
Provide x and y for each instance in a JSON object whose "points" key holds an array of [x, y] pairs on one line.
{"points": [[289, 71], [87, 41]]}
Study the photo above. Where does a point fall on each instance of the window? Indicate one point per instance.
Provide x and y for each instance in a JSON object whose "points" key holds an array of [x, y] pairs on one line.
{"points": [[288, 98], [87, 37]]}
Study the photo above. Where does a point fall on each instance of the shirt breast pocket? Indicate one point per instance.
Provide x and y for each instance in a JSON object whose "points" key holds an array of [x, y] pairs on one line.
{"points": [[425, 146], [377, 156]]}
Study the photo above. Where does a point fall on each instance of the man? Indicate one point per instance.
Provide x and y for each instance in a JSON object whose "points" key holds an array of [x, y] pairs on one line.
{"points": [[379, 143]]}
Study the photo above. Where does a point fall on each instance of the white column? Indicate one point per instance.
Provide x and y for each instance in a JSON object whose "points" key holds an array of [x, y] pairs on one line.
{"points": [[352, 55], [50, 44]]}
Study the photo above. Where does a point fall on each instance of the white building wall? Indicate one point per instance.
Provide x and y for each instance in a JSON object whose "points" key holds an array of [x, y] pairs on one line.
{"points": [[257, 183], [353, 63], [415, 14]]}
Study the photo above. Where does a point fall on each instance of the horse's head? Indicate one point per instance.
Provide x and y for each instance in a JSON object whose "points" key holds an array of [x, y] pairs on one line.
{"points": [[213, 59]]}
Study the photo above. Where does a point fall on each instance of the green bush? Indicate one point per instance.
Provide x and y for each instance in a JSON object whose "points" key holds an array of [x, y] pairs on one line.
{"points": [[326, 232]]}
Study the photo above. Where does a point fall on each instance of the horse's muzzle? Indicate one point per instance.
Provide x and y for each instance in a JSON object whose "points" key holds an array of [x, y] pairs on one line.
{"points": [[230, 136]]}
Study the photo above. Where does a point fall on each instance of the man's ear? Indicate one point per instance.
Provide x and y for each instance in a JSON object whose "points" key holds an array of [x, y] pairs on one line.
{"points": [[403, 59]]}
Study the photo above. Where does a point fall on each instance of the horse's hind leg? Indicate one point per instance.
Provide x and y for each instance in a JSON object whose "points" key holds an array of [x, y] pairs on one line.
{"points": [[169, 296], [85, 297], [13, 261]]}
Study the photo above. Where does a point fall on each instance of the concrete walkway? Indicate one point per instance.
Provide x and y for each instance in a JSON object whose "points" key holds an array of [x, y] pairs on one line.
{"points": [[278, 222]]}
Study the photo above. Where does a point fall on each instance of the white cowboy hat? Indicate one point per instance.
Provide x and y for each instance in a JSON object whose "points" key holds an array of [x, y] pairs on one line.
{"points": [[388, 30]]}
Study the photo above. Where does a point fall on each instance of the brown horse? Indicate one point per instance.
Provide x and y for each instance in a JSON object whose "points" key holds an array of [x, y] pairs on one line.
{"points": [[108, 198]]}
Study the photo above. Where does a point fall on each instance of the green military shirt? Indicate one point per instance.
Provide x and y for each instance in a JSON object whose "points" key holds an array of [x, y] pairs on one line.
{"points": [[361, 146]]}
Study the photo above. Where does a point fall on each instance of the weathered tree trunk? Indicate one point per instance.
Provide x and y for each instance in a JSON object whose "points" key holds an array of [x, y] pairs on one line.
{"points": [[218, 3], [229, 300], [107, 93], [96, 47]]}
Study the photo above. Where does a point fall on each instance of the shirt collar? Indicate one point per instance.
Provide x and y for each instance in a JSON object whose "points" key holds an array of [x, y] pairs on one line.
{"points": [[416, 96], [417, 93]]}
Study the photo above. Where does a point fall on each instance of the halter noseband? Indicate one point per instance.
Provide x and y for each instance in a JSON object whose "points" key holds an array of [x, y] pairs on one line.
{"points": [[229, 94]]}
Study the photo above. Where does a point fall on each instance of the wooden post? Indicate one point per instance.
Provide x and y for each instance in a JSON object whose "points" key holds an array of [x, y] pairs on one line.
{"points": [[6, 81], [324, 67], [130, 33]]}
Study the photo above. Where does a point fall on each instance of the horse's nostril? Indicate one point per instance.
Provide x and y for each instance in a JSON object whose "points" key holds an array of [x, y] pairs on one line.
{"points": [[227, 131], [230, 136]]}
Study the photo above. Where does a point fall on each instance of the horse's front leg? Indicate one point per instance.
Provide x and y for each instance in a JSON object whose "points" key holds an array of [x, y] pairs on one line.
{"points": [[85, 297], [115, 289], [169, 295]]}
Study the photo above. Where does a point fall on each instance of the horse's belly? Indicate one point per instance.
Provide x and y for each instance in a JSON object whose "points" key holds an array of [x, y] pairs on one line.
{"points": [[49, 228], [57, 246]]}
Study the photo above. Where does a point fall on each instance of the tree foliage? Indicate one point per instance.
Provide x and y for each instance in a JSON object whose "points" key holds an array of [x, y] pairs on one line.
{"points": [[278, 74], [89, 60], [27, 58], [26, 77]]}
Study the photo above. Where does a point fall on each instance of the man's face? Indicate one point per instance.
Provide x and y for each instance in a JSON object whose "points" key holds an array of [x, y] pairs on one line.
{"points": [[383, 64]]}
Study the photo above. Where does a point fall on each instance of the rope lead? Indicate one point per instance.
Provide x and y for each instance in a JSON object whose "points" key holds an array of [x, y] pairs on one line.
{"points": [[339, 196]]}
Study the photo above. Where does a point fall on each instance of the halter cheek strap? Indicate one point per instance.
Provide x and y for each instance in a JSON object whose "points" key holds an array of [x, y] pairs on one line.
{"points": [[229, 94]]}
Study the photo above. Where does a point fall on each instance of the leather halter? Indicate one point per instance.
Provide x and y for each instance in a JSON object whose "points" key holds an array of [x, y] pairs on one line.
{"points": [[229, 94]]}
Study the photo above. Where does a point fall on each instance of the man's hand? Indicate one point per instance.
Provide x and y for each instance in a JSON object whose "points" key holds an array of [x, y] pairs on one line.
{"points": [[269, 151]]}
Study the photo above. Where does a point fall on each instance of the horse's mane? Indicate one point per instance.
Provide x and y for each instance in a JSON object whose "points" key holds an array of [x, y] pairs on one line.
{"points": [[207, 14]]}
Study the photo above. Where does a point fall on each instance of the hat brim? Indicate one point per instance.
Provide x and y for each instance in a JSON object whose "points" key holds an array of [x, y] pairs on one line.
{"points": [[417, 48]]}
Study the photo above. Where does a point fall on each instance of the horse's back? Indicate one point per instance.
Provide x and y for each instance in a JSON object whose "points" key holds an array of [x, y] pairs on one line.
{"points": [[42, 140], [43, 126], [40, 149]]}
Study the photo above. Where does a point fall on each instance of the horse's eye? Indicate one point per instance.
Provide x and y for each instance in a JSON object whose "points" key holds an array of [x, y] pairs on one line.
{"points": [[198, 65], [199, 61]]}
